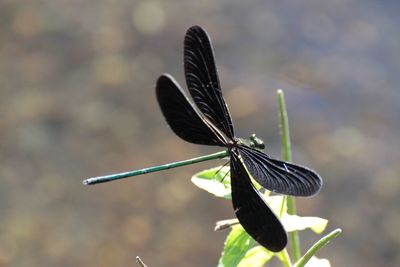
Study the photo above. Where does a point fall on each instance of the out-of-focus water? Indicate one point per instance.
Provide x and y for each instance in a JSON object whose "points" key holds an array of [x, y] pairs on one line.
{"points": [[77, 99]]}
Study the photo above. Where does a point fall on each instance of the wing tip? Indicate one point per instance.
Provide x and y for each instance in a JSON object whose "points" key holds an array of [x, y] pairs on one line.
{"points": [[277, 247], [195, 29], [196, 32], [279, 243], [317, 184], [164, 80], [164, 77]]}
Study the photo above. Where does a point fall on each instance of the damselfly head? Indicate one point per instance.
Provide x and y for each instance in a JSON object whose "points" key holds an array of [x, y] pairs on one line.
{"points": [[256, 142], [253, 142]]}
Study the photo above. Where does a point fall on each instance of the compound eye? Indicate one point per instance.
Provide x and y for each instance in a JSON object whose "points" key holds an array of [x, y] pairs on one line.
{"points": [[260, 145], [257, 142]]}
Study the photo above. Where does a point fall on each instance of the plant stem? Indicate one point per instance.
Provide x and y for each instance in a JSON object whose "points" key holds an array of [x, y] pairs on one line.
{"points": [[284, 127], [112, 177], [284, 256], [221, 225], [282, 206], [287, 156], [317, 246], [140, 262]]}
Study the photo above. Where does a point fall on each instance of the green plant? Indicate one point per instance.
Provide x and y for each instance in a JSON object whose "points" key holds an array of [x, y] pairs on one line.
{"points": [[240, 249]]}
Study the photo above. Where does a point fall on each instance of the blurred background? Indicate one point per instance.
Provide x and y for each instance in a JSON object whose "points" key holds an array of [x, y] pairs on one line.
{"points": [[77, 100]]}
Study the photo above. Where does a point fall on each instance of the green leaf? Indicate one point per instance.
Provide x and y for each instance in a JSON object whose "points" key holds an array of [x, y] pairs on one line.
{"points": [[256, 257], [298, 223], [275, 203], [236, 247], [215, 181], [295, 222]]}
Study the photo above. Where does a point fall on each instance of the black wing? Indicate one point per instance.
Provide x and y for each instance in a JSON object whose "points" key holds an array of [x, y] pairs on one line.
{"points": [[202, 80], [252, 211], [183, 119], [280, 176]]}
